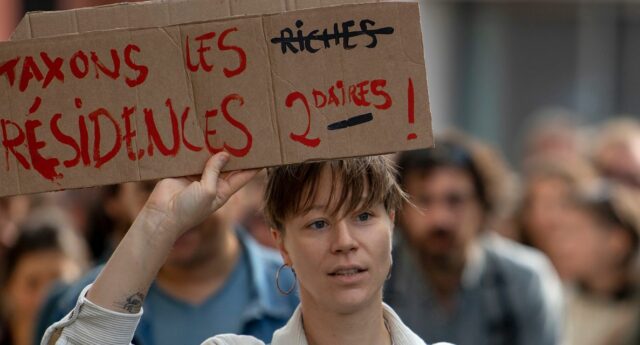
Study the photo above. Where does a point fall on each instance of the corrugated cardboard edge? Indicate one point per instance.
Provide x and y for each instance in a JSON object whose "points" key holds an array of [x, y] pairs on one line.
{"points": [[174, 12]]}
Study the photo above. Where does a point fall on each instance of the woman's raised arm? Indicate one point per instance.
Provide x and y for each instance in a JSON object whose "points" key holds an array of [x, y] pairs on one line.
{"points": [[175, 206], [109, 312]]}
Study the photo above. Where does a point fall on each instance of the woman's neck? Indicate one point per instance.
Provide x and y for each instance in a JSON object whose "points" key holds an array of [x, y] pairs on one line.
{"points": [[323, 326]]}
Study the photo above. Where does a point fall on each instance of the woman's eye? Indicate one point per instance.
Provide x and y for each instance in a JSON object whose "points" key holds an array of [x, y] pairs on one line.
{"points": [[363, 217], [318, 224]]}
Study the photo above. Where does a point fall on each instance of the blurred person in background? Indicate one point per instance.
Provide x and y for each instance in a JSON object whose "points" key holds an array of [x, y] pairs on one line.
{"points": [[253, 218], [9, 16], [103, 215], [13, 210], [454, 279], [109, 219], [603, 305], [617, 151], [46, 249], [549, 187], [216, 274], [553, 136]]}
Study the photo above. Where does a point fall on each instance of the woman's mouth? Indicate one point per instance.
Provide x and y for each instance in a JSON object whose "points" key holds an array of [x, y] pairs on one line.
{"points": [[348, 275]]}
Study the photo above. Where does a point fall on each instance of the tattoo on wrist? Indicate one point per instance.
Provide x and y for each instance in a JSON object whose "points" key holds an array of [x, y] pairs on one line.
{"points": [[133, 303]]}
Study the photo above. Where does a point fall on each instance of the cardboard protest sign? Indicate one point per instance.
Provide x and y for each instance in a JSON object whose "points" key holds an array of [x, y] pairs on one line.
{"points": [[148, 102]]}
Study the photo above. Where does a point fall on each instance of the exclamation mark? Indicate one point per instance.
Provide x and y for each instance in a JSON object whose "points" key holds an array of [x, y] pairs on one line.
{"points": [[411, 109]]}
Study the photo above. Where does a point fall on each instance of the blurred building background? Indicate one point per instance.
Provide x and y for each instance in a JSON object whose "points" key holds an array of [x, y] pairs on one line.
{"points": [[494, 67]]}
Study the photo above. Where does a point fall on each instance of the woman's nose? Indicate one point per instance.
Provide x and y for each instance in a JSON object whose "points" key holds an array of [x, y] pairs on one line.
{"points": [[342, 239]]}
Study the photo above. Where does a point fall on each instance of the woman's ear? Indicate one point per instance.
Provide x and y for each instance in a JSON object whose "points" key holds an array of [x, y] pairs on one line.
{"points": [[392, 216], [278, 237]]}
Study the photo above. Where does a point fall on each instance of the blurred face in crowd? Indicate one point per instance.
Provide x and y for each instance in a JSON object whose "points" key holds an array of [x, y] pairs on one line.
{"points": [[576, 248], [33, 275], [341, 260], [253, 218], [588, 246], [547, 201], [448, 214], [129, 200]]}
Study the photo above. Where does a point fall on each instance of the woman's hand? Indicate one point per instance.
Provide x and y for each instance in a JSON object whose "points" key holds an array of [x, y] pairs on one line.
{"points": [[183, 203], [175, 205]]}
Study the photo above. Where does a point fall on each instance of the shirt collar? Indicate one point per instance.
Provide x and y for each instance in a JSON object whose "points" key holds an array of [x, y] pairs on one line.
{"points": [[293, 332]]}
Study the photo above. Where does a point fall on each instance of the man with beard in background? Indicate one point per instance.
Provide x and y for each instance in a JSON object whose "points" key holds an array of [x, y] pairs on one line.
{"points": [[452, 278]]}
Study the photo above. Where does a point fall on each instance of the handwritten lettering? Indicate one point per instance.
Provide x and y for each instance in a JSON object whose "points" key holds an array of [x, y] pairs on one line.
{"points": [[45, 69], [204, 59], [362, 94], [12, 143], [210, 114], [45, 166], [299, 42], [302, 138], [25, 143]]}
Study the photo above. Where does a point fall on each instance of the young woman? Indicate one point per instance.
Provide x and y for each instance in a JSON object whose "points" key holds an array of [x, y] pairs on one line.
{"points": [[46, 249], [332, 221]]}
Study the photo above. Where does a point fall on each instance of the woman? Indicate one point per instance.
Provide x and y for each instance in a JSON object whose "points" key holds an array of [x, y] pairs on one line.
{"points": [[46, 249], [602, 307], [548, 190], [332, 223]]}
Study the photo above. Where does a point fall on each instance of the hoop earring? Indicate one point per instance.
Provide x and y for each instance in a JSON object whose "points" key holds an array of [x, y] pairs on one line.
{"points": [[295, 281]]}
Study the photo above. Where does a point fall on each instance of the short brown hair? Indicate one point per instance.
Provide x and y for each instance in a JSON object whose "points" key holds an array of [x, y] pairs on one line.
{"points": [[292, 188], [456, 149]]}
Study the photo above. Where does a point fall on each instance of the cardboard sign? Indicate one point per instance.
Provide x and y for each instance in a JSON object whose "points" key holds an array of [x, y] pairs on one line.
{"points": [[140, 103]]}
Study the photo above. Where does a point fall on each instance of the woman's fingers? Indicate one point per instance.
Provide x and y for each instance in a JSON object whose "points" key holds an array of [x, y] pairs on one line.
{"points": [[212, 171], [214, 187]]}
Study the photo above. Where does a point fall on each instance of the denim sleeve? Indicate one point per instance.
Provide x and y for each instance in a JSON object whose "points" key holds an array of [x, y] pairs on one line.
{"points": [[89, 323]]}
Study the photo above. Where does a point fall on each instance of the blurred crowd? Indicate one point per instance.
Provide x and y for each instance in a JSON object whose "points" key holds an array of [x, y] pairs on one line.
{"points": [[543, 253]]}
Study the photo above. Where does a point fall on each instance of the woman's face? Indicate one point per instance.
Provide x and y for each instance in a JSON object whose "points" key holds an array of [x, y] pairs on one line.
{"points": [[341, 261], [547, 204], [580, 248]]}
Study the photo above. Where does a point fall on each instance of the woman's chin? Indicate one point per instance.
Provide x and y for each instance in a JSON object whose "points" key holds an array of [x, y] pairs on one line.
{"points": [[350, 301]]}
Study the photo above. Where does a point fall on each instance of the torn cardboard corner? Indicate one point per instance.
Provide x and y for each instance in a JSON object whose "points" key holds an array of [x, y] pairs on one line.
{"points": [[154, 13], [105, 107]]}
